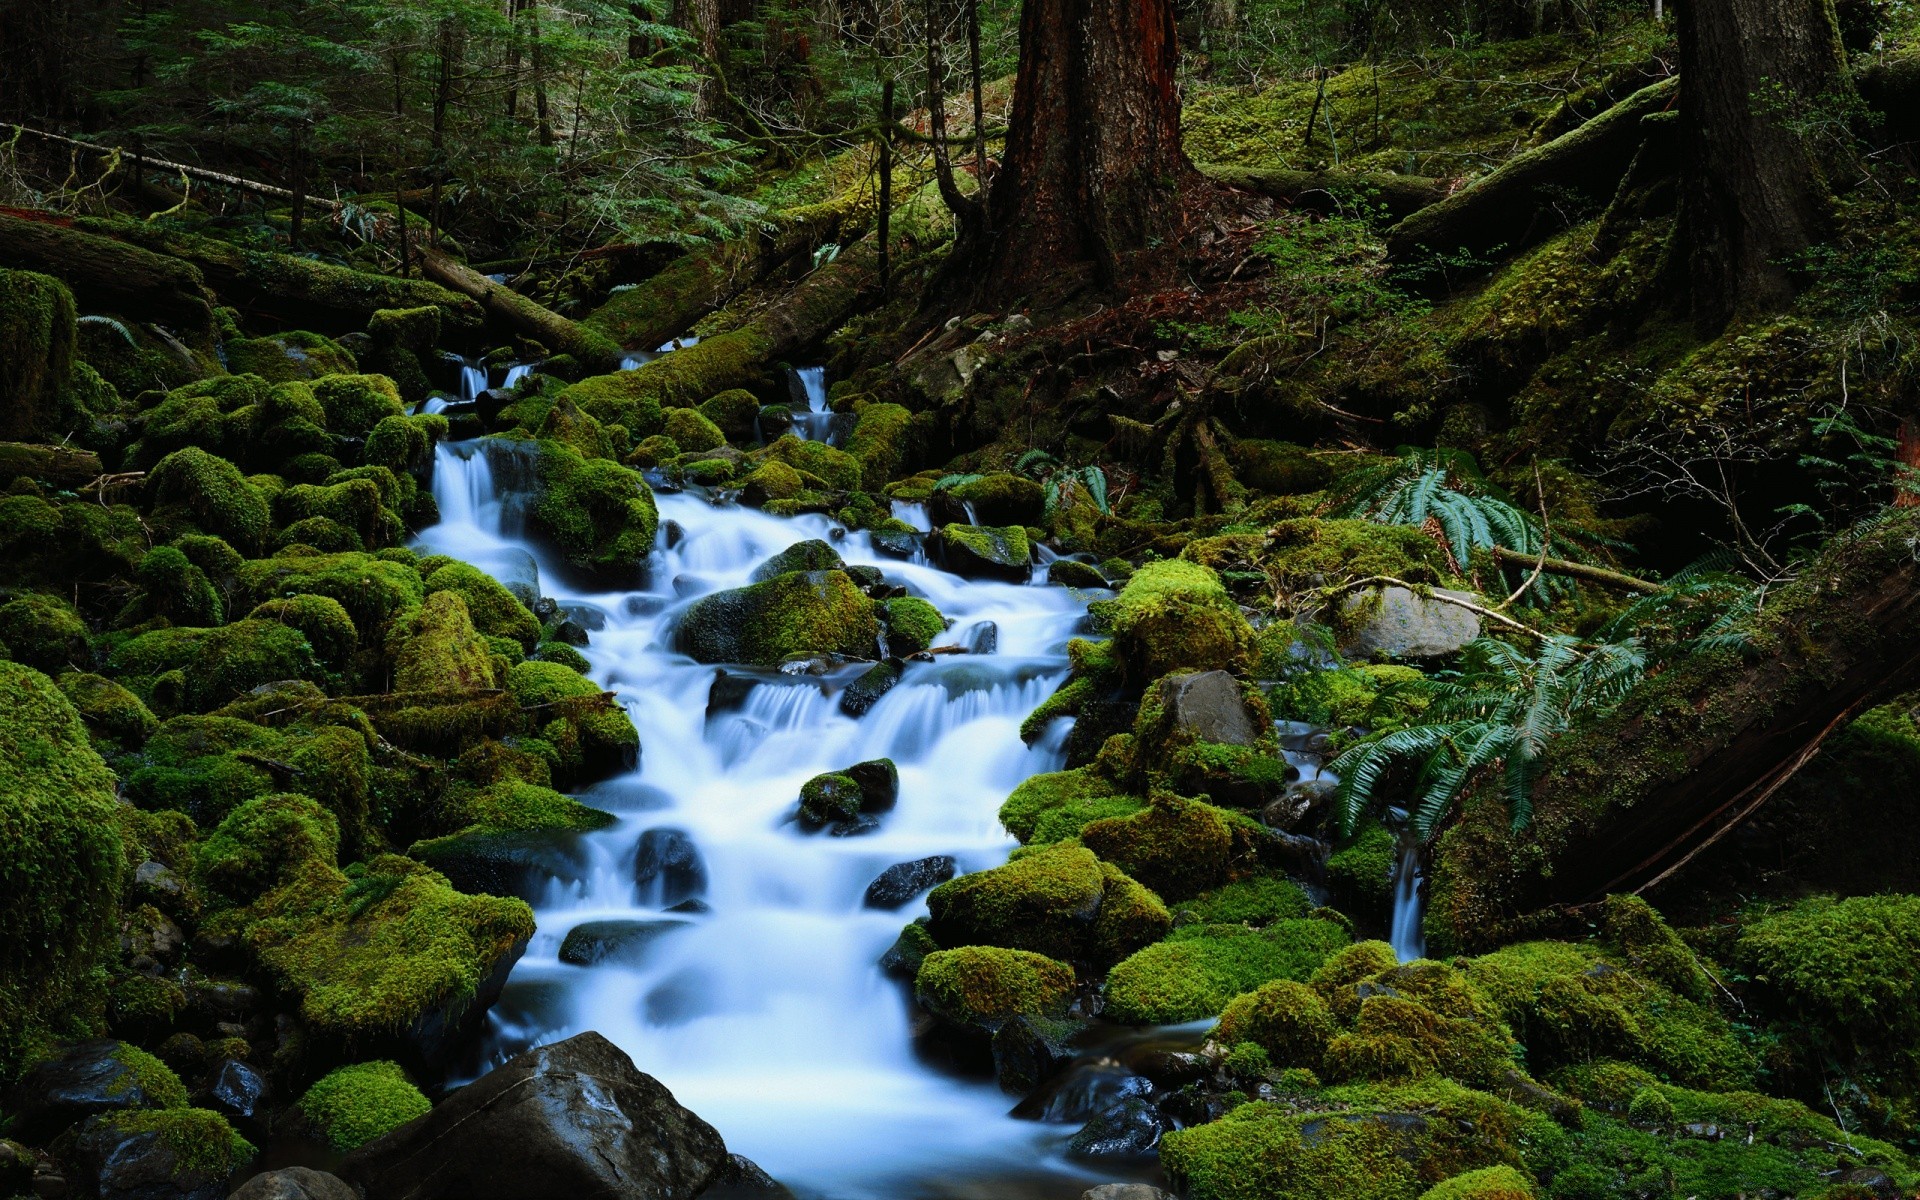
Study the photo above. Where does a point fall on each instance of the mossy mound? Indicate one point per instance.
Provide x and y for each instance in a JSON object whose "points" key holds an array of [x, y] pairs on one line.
{"points": [[1200, 968], [37, 337], [194, 1151], [112, 714], [195, 490], [912, 625], [296, 354], [355, 405], [1488, 1183], [624, 398], [999, 499], [257, 845], [206, 765], [1175, 616], [372, 589], [61, 862], [985, 551], [586, 733], [802, 612], [321, 619], [350, 1106], [1058, 805], [1288, 1020], [733, 412], [692, 431], [199, 669], [435, 648], [174, 587], [881, 443], [43, 632], [599, 515], [986, 985], [1045, 901], [836, 468], [1258, 901], [1177, 847]]}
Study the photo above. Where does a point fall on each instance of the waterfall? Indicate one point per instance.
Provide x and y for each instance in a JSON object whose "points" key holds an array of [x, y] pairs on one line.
{"points": [[816, 422], [1409, 907], [765, 1011], [516, 372], [473, 380]]}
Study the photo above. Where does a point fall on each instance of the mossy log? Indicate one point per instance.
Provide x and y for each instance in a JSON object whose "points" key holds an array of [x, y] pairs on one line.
{"points": [[526, 317], [1695, 750], [298, 293], [60, 466], [1503, 210], [106, 275], [1329, 191]]}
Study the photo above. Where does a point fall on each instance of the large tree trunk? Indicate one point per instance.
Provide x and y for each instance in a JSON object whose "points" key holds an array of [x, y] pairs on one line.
{"points": [[1094, 179], [1694, 751], [1756, 76]]}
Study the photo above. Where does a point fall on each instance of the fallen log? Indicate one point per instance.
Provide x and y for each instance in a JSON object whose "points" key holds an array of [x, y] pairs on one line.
{"points": [[1513, 206], [61, 466], [1331, 191], [1694, 751], [1585, 572], [526, 317], [106, 275]]}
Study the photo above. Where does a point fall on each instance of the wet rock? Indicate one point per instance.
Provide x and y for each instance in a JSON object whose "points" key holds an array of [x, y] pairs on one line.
{"points": [[1028, 1050], [901, 883], [155, 883], [1068, 572], [813, 555], [1129, 1130], [1396, 623], [237, 1090], [667, 866], [817, 664], [125, 1160], [84, 1079], [879, 782], [870, 579], [689, 906], [294, 1183], [1209, 705], [865, 692], [147, 931], [740, 1178], [729, 693], [983, 551], [856, 827], [983, 638], [898, 543], [829, 799], [1872, 1181], [1301, 805], [16, 1168], [505, 864], [1170, 1068], [571, 633], [618, 942], [574, 1119], [1126, 1191]]}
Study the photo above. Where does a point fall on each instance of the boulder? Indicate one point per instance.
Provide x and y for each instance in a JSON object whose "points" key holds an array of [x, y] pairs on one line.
{"points": [[762, 624], [741, 1178], [1068, 572], [813, 555], [1395, 623], [157, 1154], [620, 942], [983, 551], [1128, 1130], [865, 692], [1210, 706], [668, 867], [294, 1183], [879, 783], [899, 884], [574, 1119], [86, 1079], [237, 1090]]}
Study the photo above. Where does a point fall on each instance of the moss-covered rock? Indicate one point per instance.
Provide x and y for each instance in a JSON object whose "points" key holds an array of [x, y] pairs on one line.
{"points": [[1283, 1017], [372, 589], [835, 467], [61, 863], [355, 505], [260, 843], [1360, 871], [692, 431], [281, 357], [599, 515], [37, 337], [1056, 805], [217, 665], [1177, 847], [1176, 616], [207, 493], [810, 555], [912, 625], [733, 412], [997, 499], [402, 341], [1045, 901], [1200, 968], [1488, 1183], [881, 442], [436, 648], [983, 551], [113, 715], [159, 1152], [404, 443], [350, 1106], [986, 985], [623, 398], [44, 632], [590, 734], [173, 587], [1131, 917], [803, 612], [495, 611], [321, 619], [355, 405]]}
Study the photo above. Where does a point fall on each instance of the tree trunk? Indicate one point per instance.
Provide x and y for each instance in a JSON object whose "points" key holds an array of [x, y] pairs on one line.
{"points": [[1762, 134], [1694, 751], [528, 318], [1094, 180], [701, 20]]}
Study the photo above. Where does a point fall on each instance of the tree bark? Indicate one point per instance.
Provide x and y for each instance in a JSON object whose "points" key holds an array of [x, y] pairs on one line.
{"points": [[109, 276], [526, 317], [1759, 81], [1695, 750], [1094, 180], [701, 21]]}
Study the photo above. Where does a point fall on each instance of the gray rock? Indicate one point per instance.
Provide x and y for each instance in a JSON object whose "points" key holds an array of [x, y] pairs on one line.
{"points": [[574, 1119], [742, 1178], [84, 1080], [814, 555], [897, 886], [1209, 705], [1396, 623], [116, 1163], [294, 1183], [1068, 572], [983, 551], [621, 942], [1128, 1130], [237, 1091], [865, 692], [668, 867], [879, 782], [1126, 1191]]}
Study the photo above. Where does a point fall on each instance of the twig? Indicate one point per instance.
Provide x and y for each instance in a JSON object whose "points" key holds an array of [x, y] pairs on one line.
{"points": [[1574, 570], [1433, 594]]}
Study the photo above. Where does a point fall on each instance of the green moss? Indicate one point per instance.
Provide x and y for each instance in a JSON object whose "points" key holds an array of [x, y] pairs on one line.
{"points": [[220, 664], [1371, 696], [1045, 901], [176, 589], [61, 862], [351, 1106], [1361, 871], [404, 443], [598, 514], [771, 481], [912, 624], [204, 766], [1278, 468], [495, 610], [436, 649], [880, 443], [623, 398], [1847, 964], [1261, 900], [1002, 499], [321, 619], [1130, 917], [1177, 847], [565, 655], [515, 806], [1396, 1037], [1200, 968], [733, 412], [1309, 552], [994, 549], [692, 431], [829, 799], [209, 493], [37, 338], [355, 405], [402, 339], [112, 713], [1285, 1018], [803, 612], [45, 633], [154, 1079], [1488, 1183], [985, 984], [355, 505], [257, 845], [1175, 616], [838, 469], [202, 1143], [371, 589], [371, 955], [591, 733], [288, 356]]}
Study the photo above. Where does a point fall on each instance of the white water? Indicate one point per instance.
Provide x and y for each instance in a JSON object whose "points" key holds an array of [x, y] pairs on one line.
{"points": [[767, 1015], [1407, 935], [815, 424]]}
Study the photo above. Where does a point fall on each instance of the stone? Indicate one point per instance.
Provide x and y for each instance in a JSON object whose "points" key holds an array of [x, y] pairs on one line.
{"points": [[1126, 1191], [113, 1161], [898, 543], [619, 942], [1210, 706], [901, 883], [1069, 572], [294, 1183], [1395, 623], [813, 555], [83, 1080], [742, 1178], [574, 1119], [983, 551], [506, 864], [879, 782], [865, 692], [236, 1091], [1128, 1130], [668, 867], [1026, 1051]]}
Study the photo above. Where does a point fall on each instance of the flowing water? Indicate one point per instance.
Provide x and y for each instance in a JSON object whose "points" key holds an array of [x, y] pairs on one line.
{"points": [[814, 422], [762, 1006], [1408, 937]]}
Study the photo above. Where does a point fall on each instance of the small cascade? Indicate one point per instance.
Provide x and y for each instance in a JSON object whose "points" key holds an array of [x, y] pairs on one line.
{"points": [[633, 360], [816, 422], [473, 380], [438, 402], [914, 513], [516, 372], [1409, 904]]}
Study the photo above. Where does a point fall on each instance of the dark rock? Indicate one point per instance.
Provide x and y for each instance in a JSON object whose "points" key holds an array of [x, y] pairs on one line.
{"points": [[156, 883], [216, 1000], [982, 551], [1873, 1181], [740, 1178], [16, 1168], [1129, 1130], [879, 782], [668, 867], [1087, 1088], [813, 555], [83, 1080], [901, 883], [621, 942], [1208, 705], [1126, 1191], [237, 1090], [505, 864], [572, 633], [1170, 1068], [868, 578], [146, 931], [574, 1119], [1301, 805], [689, 906], [829, 799], [729, 693], [295, 1183], [865, 692], [855, 827], [1068, 572], [983, 638], [1028, 1050], [898, 543], [118, 1163], [902, 959]]}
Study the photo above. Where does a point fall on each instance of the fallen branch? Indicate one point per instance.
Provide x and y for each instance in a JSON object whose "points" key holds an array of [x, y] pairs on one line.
{"points": [[526, 317], [1374, 581], [1573, 570]]}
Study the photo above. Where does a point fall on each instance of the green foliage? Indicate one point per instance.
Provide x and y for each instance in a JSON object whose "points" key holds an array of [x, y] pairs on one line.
{"points": [[202, 1143], [216, 665], [45, 633], [209, 492], [259, 843], [1260, 900], [1044, 901], [351, 1106]]}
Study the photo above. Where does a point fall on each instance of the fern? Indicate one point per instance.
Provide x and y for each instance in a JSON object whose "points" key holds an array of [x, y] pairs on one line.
{"points": [[949, 482], [1499, 714]]}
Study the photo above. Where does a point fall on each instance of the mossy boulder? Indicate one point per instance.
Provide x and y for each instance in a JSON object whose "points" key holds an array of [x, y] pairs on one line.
{"points": [[733, 412], [997, 499], [193, 488], [355, 505], [1176, 616], [1278, 468], [1175, 846], [389, 959], [590, 735], [622, 398], [1052, 806], [495, 611], [692, 431], [355, 405], [321, 619], [599, 515], [257, 845], [371, 588], [174, 587], [185, 669], [44, 633], [802, 612], [810, 555], [836, 468], [1360, 871], [61, 862], [1045, 901], [987, 985], [113, 715], [436, 648], [281, 357], [37, 337], [1285, 1018], [170, 1152], [404, 443], [881, 442], [204, 766], [1200, 968], [402, 341], [912, 625], [983, 551], [1488, 1183], [350, 1106]]}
